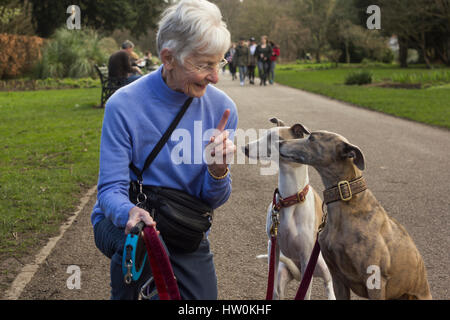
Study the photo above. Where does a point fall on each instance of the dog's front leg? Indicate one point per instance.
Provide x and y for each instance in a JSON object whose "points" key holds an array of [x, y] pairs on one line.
{"points": [[276, 293], [341, 291], [378, 291], [284, 277]]}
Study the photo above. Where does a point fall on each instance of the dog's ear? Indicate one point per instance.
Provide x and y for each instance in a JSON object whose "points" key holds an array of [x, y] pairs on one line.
{"points": [[278, 122], [353, 152], [299, 130]]}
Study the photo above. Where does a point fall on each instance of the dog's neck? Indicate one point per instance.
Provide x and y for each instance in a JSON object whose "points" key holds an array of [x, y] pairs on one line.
{"points": [[332, 176], [291, 179]]}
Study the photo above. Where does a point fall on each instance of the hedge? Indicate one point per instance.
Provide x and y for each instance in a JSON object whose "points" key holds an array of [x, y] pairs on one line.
{"points": [[18, 54]]}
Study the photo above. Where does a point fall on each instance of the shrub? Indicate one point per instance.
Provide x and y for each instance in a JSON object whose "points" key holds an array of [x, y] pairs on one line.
{"points": [[71, 54], [358, 77], [49, 83], [431, 77], [18, 54], [108, 45]]}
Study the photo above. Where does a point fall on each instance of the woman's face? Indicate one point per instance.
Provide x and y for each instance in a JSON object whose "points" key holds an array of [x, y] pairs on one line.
{"points": [[195, 74]]}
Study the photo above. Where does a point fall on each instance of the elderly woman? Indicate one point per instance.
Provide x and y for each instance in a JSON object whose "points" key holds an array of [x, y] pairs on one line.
{"points": [[191, 41]]}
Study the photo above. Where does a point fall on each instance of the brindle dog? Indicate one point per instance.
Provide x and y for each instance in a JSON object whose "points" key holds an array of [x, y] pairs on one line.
{"points": [[365, 250]]}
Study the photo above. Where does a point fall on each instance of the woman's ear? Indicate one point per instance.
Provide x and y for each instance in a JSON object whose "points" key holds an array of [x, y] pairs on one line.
{"points": [[167, 58]]}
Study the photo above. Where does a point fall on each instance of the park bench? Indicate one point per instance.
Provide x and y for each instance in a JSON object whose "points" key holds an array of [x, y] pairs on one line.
{"points": [[109, 84]]}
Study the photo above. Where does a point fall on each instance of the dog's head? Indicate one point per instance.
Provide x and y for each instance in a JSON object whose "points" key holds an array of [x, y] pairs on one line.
{"points": [[267, 146], [326, 151]]}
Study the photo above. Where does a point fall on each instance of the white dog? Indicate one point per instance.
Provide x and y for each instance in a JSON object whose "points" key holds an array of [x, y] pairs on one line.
{"points": [[299, 220]]}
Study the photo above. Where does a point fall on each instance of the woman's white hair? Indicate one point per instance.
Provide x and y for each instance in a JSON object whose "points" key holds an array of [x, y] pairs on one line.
{"points": [[193, 27]]}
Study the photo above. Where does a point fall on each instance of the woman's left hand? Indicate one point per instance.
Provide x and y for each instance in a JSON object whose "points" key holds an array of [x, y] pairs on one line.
{"points": [[220, 148]]}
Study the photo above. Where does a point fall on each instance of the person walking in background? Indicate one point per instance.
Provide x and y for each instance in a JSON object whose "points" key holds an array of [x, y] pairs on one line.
{"points": [[230, 57], [273, 61], [242, 60], [263, 52], [252, 60]]}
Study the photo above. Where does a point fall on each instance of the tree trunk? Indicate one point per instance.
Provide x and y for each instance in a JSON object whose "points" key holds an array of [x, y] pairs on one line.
{"points": [[347, 52], [423, 46], [443, 54], [403, 52]]}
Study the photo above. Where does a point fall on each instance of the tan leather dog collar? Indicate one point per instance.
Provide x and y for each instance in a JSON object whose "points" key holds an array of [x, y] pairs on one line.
{"points": [[344, 190]]}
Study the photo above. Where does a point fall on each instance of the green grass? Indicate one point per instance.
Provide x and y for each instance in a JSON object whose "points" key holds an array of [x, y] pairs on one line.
{"points": [[48, 156], [429, 105]]}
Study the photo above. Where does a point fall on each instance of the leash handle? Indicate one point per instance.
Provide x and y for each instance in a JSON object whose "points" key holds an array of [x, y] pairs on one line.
{"points": [[161, 268], [138, 228]]}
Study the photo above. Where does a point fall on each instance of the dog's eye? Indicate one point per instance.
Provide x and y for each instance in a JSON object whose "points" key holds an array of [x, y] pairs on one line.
{"points": [[311, 138]]}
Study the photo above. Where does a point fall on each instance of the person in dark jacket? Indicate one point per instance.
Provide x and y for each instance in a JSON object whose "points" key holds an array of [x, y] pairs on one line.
{"points": [[120, 66], [230, 57], [252, 60], [263, 52], [242, 60]]}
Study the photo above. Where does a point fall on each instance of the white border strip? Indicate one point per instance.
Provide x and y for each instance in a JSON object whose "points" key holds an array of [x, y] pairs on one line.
{"points": [[28, 271]]}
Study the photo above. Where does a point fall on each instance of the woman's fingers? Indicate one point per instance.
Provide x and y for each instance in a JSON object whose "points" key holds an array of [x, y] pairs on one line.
{"points": [[136, 215], [224, 153], [223, 121], [219, 138]]}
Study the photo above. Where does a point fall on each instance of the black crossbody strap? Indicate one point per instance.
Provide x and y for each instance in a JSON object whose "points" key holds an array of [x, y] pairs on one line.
{"points": [[161, 142]]}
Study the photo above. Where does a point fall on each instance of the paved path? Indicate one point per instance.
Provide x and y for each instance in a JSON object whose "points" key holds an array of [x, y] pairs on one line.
{"points": [[407, 168]]}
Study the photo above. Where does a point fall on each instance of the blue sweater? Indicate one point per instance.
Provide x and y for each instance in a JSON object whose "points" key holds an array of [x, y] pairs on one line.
{"points": [[136, 117]]}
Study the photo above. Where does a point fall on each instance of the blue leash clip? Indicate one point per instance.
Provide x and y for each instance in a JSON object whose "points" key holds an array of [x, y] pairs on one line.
{"points": [[134, 254]]}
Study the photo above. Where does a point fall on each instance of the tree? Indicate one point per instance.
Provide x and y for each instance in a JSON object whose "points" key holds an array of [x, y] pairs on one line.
{"points": [[15, 17], [316, 15], [419, 24], [230, 11], [250, 18], [292, 37], [102, 15]]}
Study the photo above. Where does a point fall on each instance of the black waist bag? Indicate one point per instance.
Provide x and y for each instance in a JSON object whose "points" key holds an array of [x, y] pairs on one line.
{"points": [[181, 218]]}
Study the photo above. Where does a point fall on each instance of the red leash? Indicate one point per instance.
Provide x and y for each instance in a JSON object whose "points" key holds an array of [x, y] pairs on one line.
{"points": [[271, 280], [307, 275], [165, 281]]}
